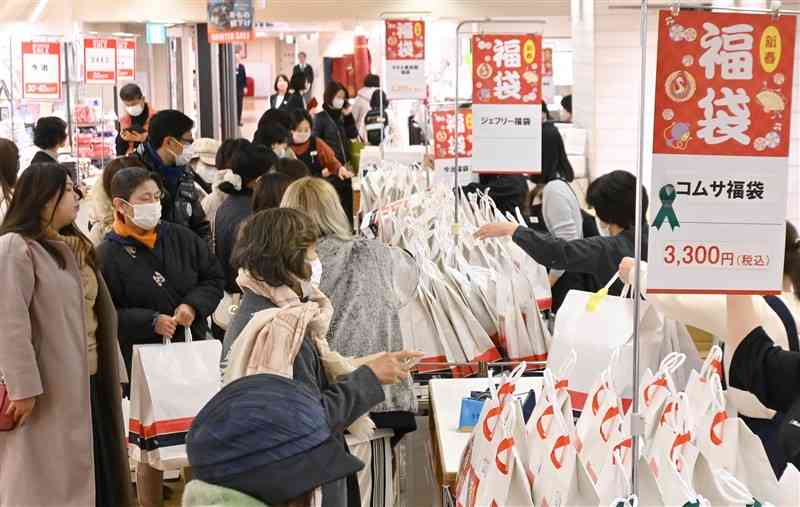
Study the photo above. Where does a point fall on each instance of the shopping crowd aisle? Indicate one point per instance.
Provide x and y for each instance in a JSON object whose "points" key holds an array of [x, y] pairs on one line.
{"points": [[246, 248]]}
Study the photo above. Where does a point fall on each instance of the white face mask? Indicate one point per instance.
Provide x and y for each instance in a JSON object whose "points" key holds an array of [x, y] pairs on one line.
{"points": [[301, 137], [280, 151], [147, 215], [207, 172], [316, 271], [602, 227], [185, 157], [135, 110], [338, 103]]}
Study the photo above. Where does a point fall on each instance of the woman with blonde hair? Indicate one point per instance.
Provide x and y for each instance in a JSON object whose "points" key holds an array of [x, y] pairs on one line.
{"points": [[362, 279]]}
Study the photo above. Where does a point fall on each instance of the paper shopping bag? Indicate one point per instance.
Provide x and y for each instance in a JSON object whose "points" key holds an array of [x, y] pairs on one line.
{"points": [[789, 491], [656, 389], [594, 331], [419, 333], [474, 301], [614, 481], [169, 385], [719, 487], [727, 443], [698, 388]]}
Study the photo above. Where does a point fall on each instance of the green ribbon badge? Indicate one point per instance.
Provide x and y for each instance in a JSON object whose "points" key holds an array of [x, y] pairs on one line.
{"points": [[667, 196]]}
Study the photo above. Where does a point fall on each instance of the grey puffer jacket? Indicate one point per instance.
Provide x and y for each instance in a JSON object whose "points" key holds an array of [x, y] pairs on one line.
{"points": [[362, 278]]}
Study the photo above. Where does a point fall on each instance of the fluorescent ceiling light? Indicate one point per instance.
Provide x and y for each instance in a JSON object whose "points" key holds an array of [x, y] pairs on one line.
{"points": [[37, 11]]}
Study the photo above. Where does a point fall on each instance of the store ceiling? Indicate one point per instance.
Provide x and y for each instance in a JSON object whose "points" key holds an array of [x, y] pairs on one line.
{"points": [[278, 10]]}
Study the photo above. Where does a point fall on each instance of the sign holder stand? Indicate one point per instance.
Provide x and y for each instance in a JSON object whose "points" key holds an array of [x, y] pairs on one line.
{"points": [[459, 33], [643, 8]]}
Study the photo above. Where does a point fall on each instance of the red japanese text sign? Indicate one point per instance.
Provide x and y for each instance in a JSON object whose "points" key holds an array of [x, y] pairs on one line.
{"points": [[724, 84], [100, 60], [126, 59], [507, 69], [452, 137], [41, 70], [405, 39]]}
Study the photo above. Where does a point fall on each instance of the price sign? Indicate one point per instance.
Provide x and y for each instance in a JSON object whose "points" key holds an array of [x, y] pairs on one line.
{"points": [[452, 136], [720, 153], [41, 70], [100, 60], [507, 98], [405, 59], [126, 59]]}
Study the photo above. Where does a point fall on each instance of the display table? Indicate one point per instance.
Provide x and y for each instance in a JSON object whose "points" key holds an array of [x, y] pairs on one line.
{"points": [[447, 442], [405, 155]]}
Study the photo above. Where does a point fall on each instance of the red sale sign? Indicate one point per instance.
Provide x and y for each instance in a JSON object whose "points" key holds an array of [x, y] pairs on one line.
{"points": [[721, 132], [41, 70], [126, 59], [405, 39], [452, 137], [100, 60], [507, 69]]}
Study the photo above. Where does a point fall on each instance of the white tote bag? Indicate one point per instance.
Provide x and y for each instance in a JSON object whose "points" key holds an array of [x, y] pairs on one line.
{"points": [[698, 388], [170, 384], [594, 325], [728, 444], [719, 487], [656, 389], [789, 491], [420, 334], [614, 481]]}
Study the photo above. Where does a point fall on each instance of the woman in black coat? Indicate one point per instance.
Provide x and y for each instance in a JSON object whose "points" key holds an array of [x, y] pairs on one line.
{"points": [[336, 126], [280, 99]]}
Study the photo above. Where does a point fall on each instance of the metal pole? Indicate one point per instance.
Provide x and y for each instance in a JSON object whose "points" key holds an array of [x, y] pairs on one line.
{"points": [[707, 7], [636, 420], [67, 48], [11, 86]]}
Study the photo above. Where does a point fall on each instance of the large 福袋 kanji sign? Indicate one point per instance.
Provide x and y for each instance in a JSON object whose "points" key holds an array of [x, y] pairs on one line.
{"points": [[405, 59]]}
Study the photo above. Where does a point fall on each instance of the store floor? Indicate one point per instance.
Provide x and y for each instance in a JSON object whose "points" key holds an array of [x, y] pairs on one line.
{"points": [[253, 108]]}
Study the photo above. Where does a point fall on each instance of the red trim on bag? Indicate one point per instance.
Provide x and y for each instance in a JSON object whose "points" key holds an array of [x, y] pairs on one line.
{"points": [[719, 419], [627, 443], [159, 428], [505, 446], [611, 414], [545, 303], [433, 359], [680, 440], [561, 443], [668, 409], [489, 432], [539, 427], [579, 401], [595, 402], [659, 382], [489, 356]]}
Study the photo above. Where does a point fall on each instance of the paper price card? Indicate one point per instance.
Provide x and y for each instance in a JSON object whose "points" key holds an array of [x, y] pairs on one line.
{"points": [[720, 153]]}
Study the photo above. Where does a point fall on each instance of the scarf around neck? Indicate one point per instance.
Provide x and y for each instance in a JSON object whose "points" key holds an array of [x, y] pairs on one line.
{"points": [[122, 229]]}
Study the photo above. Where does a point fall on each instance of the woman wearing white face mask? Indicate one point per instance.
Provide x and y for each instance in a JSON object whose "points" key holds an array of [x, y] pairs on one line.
{"points": [[336, 126], [162, 279], [613, 197], [134, 122]]}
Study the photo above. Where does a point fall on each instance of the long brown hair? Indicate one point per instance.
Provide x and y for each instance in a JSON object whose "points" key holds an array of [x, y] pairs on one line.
{"points": [[9, 168], [39, 184]]}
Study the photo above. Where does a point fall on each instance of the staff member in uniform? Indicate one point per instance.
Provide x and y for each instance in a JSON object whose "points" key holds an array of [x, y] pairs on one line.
{"points": [[313, 151]]}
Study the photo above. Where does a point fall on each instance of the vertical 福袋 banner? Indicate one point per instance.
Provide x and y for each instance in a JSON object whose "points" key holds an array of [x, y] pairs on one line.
{"points": [[507, 103], [720, 153], [405, 59], [100, 60], [41, 70], [548, 84], [230, 21], [452, 136], [126, 59]]}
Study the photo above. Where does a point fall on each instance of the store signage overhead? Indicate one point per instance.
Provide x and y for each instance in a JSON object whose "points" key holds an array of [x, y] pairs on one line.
{"points": [[721, 132], [452, 137], [41, 70], [405, 59], [100, 60], [507, 98], [230, 21], [126, 59]]}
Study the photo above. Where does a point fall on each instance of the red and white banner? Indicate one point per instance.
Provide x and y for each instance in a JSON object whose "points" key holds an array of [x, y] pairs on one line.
{"points": [[126, 59], [41, 70], [405, 59], [720, 152], [452, 136], [100, 60], [507, 98], [548, 85]]}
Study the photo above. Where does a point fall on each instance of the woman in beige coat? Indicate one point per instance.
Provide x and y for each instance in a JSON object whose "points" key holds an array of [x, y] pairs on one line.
{"points": [[58, 355]]}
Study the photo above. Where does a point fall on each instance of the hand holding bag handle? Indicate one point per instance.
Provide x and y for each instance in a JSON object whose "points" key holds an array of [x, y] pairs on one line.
{"points": [[7, 422]]}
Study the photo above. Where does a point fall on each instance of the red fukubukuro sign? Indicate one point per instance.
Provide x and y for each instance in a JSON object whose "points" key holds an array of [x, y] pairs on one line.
{"points": [[507, 97], [100, 60], [452, 137], [723, 103], [41, 70], [405, 59], [126, 59]]}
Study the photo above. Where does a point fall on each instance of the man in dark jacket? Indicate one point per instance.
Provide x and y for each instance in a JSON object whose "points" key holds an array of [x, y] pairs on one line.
{"points": [[306, 70], [167, 154]]}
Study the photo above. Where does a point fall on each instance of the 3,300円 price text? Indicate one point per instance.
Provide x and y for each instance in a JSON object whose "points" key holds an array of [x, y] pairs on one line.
{"points": [[712, 256]]}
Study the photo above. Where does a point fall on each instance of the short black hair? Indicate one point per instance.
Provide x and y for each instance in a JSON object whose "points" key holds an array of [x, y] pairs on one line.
{"points": [[613, 197], [375, 100], [49, 132], [298, 116], [566, 103], [275, 116], [131, 91], [271, 133], [281, 76], [372, 81], [294, 169], [331, 90], [298, 82], [249, 161], [127, 180], [302, 53], [168, 123]]}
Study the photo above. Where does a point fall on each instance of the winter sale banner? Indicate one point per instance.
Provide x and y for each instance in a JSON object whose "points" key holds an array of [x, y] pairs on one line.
{"points": [[405, 59], [720, 153], [507, 103]]}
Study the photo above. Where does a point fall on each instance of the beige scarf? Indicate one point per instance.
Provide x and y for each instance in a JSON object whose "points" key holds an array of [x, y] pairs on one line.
{"points": [[272, 338]]}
